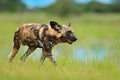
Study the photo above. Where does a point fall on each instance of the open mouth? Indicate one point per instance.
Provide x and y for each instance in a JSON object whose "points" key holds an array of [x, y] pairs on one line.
{"points": [[69, 41]]}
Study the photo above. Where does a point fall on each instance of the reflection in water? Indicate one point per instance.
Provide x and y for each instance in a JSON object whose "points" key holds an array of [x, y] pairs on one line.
{"points": [[88, 54]]}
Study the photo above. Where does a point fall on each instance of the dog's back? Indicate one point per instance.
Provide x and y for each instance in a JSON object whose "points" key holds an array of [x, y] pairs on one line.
{"points": [[27, 34]]}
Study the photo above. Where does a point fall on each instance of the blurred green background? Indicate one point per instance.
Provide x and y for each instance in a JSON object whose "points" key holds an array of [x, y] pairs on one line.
{"points": [[94, 56]]}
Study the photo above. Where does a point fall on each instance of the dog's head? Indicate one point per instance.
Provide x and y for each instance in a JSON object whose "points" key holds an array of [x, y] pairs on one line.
{"points": [[64, 32]]}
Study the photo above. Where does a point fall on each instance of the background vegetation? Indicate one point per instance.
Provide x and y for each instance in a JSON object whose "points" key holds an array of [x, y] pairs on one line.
{"points": [[63, 7]]}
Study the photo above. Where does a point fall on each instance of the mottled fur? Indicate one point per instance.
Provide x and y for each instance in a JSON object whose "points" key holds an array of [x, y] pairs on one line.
{"points": [[41, 36]]}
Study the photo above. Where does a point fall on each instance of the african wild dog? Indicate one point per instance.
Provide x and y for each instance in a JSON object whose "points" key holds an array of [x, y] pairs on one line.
{"points": [[41, 36]]}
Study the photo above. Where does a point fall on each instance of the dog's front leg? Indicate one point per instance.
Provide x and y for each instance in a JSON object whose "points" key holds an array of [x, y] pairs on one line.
{"points": [[43, 57], [52, 60], [48, 54], [50, 57]]}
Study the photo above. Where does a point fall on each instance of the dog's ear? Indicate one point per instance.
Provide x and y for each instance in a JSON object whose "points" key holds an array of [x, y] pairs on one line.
{"points": [[54, 25], [69, 24]]}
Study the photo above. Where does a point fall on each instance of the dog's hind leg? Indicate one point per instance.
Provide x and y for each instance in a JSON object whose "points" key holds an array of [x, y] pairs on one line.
{"points": [[27, 53], [13, 53], [15, 47]]}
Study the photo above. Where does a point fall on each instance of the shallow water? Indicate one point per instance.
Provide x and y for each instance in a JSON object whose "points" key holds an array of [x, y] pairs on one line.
{"points": [[89, 54], [84, 54]]}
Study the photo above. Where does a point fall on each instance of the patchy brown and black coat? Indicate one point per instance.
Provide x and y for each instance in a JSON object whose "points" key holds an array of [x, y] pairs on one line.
{"points": [[41, 36]]}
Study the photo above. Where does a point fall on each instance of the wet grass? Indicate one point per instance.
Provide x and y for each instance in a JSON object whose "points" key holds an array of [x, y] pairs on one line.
{"points": [[92, 31]]}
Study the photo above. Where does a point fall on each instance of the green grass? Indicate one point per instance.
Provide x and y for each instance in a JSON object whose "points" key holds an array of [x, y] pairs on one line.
{"points": [[65, 70], [92, 31]]}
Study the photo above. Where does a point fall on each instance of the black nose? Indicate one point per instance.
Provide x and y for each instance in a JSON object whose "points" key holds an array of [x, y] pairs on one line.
{"points": [[74, 39]]}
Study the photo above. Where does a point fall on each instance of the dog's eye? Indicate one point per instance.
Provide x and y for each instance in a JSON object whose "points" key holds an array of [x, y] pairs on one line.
{"points": [[69, 32]]}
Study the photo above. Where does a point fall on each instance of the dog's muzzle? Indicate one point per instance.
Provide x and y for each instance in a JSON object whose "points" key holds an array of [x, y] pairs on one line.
{"points": [[74, 39], [71, 40]]}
